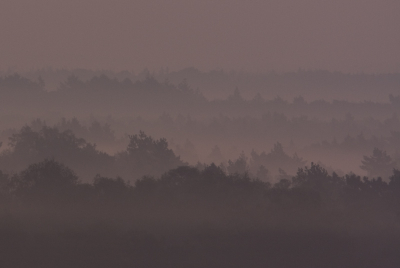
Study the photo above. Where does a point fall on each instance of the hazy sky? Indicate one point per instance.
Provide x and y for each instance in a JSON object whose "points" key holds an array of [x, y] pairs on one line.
{"points": [[343, 35]]}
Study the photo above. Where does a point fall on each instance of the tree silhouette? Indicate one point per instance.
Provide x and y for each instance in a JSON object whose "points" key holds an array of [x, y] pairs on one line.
{"points": [[109, 189], [313, 177], [262, 173], [4, 186], [29, 146], [276, 160], [148, 156], [380, 164], [394, 182], [239, 166], [46, 180]]}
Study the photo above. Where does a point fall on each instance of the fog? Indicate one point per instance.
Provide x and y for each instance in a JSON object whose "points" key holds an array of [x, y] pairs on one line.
{"points": [[104, 110], [258, 36], [112, 167], [199, 133]]}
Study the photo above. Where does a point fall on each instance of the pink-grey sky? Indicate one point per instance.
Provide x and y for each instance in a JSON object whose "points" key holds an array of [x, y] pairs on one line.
{"points": [[251, 35]]}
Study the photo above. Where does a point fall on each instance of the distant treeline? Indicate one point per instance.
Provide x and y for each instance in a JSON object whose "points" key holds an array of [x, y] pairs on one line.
{"points": [[102, 95], [314, 84], [195, 126], [141, 154]]}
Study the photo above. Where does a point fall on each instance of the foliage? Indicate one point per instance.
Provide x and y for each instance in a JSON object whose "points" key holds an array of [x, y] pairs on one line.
{"points": [[380, 164], [147, 156], [276, 160], [29, 146], [109, 189], [312, 188], [5, 185], [48, 180], [16, 82], [239, 166]]}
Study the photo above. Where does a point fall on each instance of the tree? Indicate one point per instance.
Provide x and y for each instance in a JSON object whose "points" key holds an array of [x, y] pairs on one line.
{"points": [[109, 189], [315, 177], [380, 164], [394, 181], [262, 173], [29, 146], [236, 97], [4, 186], [46, 180], [239, 166], [148, 156], [316, 182], [275, 160]]}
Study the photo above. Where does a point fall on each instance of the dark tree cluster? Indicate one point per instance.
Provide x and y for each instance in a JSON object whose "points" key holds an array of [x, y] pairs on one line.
{"points": [[143, 155], [276, 160], [198, 212], [16, 83], [311, 187]]}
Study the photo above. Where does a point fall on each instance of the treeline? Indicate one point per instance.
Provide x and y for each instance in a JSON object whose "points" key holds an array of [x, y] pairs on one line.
{"points": [[208, 188], [142, 156], [155, 170], [101, 94], [312, 187], [315, 84], [134, 156]]}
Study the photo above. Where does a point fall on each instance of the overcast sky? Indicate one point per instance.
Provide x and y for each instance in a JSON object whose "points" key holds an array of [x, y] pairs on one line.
{"points": [[281, 35]]}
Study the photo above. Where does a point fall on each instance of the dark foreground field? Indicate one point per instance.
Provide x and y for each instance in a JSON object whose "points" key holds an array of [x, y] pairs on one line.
{"points": [[110, 237], [203, 248], [198, 218]]}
